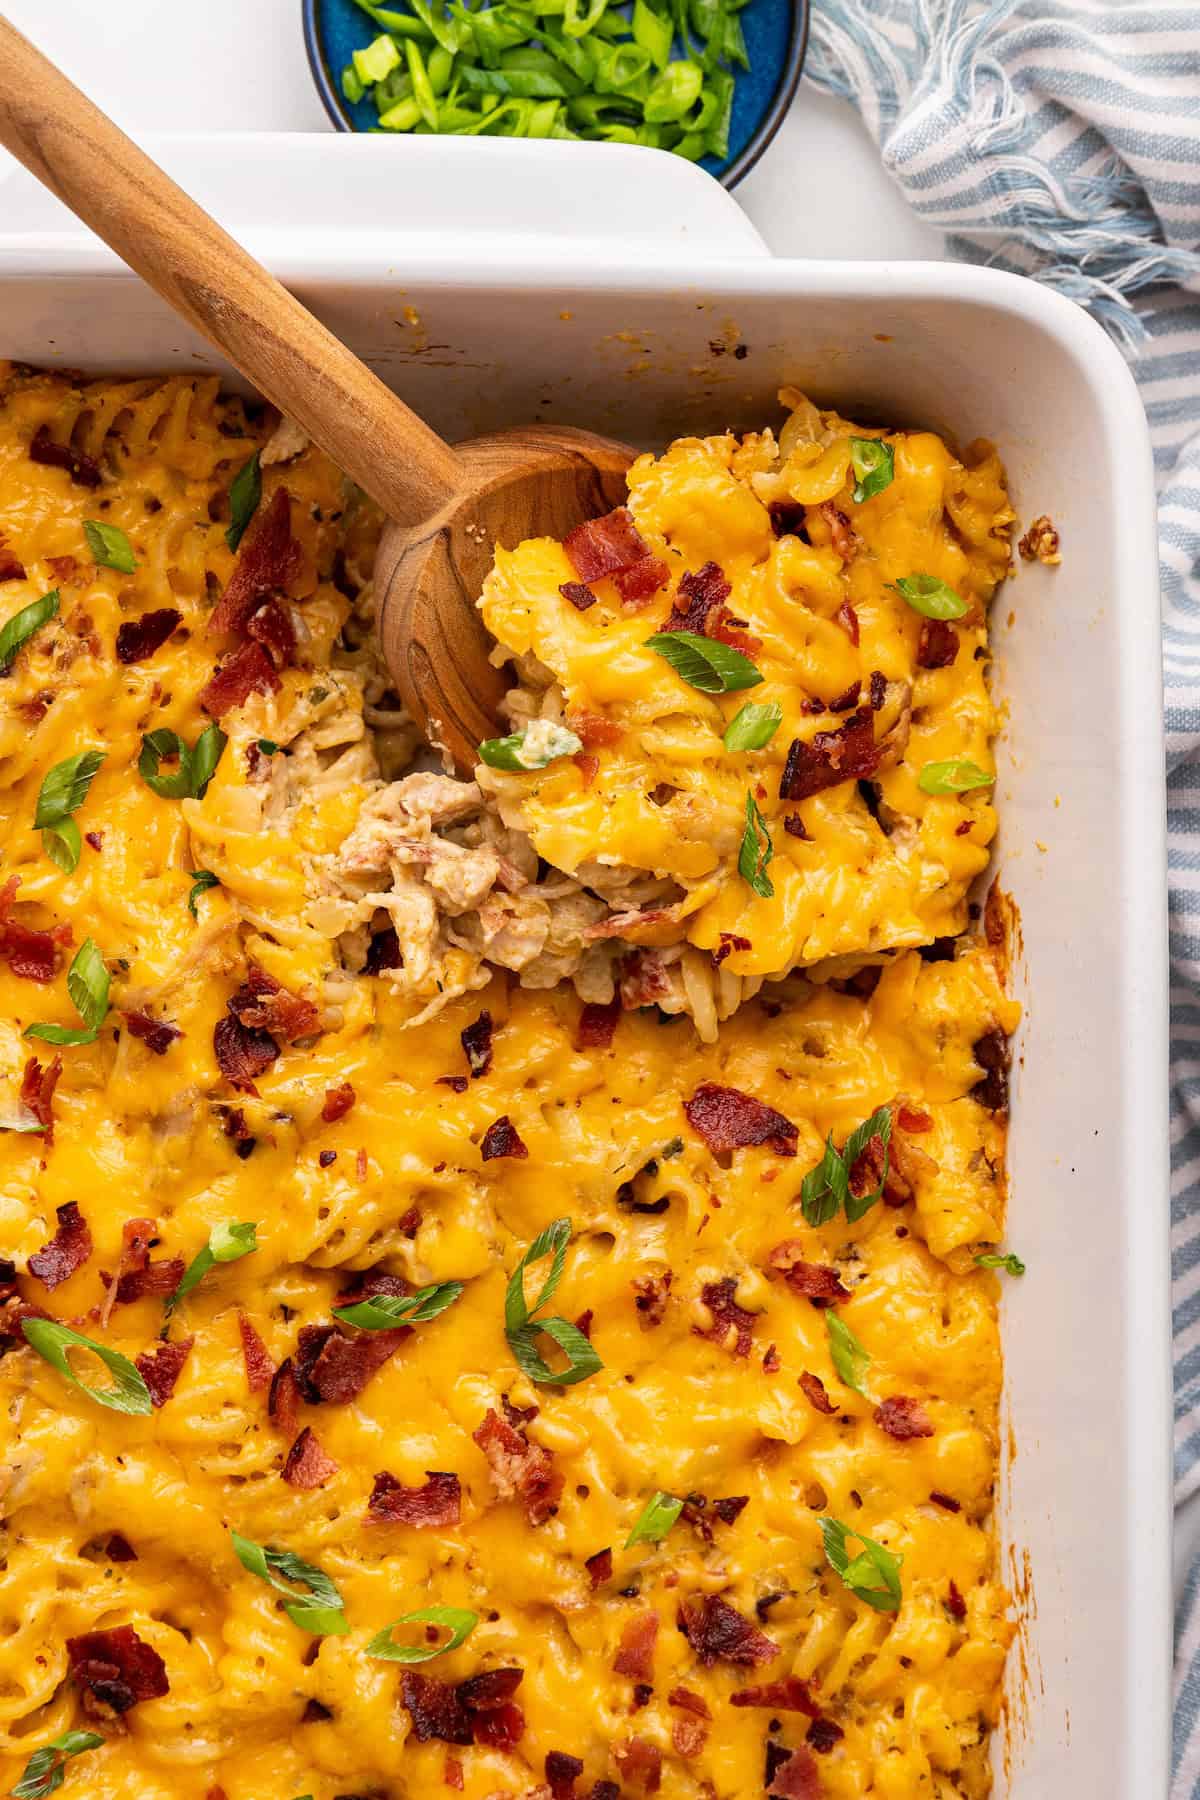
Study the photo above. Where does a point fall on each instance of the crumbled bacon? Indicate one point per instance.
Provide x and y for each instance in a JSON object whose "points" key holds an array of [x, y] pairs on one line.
{"points": [[599, 1567], [337, 1103], [913, 1118], [824, 1735], [812, 1281], [248, 671], [937, 646], [640, 1764], [797, 1778], [946, 1502], [814, 1392], [593, 730], [383, 951], [160, 1368], [439, 1502], [156, 1034], [38, 1082], [118, 1549], [476, 1040], [903, 1417], [688, 1702], [651, 1293], [331, 1368], [153, 1280], [31, 955], [992, 1054], [115, 1669], [138, 639], [588, 766], [772, 1362], [848, 754], [458, 1084], [729, 1320], [730, 941], [578, 593], [263, 1004], [790, 1695], [11, 566], [306, 1465], [364, 1284], [601, 547], [519, 1468], [688, 1737], [638, 584], [795, 827], [260, 1370], [452, 1773], [65, 569], [67, 1250], [698, 594], [956, 1606], [719, 1632], [1041, 542], [846, 700], [266, 563], [562, 1772], [435, 1709], [84, 470], [726, 1511], [635, 1655], [727, 1119], [283, 1401], [842, 535], [597, 1024], [644, 979], [847, 618], [788, 519], [501, 1139], [271, 626]]}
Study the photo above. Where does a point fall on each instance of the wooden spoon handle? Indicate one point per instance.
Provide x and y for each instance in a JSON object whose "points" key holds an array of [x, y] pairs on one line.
{"points": [[81, 156]]}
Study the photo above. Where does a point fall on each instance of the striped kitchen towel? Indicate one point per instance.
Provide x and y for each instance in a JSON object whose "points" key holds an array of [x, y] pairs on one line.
{"points": [[1062, 140]]}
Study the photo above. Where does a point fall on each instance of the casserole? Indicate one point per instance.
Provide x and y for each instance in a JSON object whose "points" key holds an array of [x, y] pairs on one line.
{"points": [[641, 341]]}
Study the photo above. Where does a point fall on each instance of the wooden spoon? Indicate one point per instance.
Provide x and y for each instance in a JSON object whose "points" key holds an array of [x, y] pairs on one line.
{"points": [[447, 508]]}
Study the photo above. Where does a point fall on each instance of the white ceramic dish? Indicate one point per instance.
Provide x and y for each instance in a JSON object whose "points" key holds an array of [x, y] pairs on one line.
{"points": [[616, 290]]}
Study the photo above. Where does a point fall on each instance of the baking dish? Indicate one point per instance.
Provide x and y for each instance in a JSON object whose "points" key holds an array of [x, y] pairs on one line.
{"points": [[624, 291]]}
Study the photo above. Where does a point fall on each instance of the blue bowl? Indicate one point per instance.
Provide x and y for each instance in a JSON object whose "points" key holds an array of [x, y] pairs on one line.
{"points": [[776, 36]]}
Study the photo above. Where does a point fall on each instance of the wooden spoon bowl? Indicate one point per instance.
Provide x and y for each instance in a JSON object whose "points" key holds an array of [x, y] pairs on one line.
{"points": [[448, 508]]}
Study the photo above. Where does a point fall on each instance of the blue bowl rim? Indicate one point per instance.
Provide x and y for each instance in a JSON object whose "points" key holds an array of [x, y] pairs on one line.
{"points": [[785, 89]]}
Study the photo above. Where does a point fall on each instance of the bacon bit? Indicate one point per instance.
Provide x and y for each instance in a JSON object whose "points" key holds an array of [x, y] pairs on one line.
{"points": [[457, 1083], [644, 979], [562, 1772], [487, 1700], [138, 639], [160, 1369], [67, 1250], [306, 1465], [452, 1776], [730, 941], [603, 546], [730, 1508], [439, 1502], [364, 1284], [383, 951], [38, 1083], [812, 1281], [847, 618], [263, 1004], [946, 1502], [727, 1119], [814, 1393], [597, 1025], [877, 689], [337, 1103], [435, 1709], [823, 1735], [118, 1549], [266, 563], [84, 470], [902, 1417], [635, 1656], [578, 593], [963, 827], [332, 1369], [152, 1281], [937, 646], [688, 1737], [772, 1362], [63, 568], [11, 567], [638, 584], [640, 1764], [911, 1118], [519, 1468], [845, 701], [699, 593], [260, 1370], [841, 534], [476, 1040], [593, 730], [501, 1139], [156, 1034], [788, 519], [793, 824], [588, 766], [686, 1701], [797, 1778], [790, 1695], [956, 1606], [848, 754], [651, 1293], [248, 671], [728, 1317], [115, 1669], [360, 1165], [718, 1631], [992, 1054], [271, 626], [599, 1568], [1041, 542], [31, 955], [283, 1401]]}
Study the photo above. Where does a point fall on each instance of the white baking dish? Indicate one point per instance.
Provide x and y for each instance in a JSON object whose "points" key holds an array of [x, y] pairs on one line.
{"points": [[498, 283]]}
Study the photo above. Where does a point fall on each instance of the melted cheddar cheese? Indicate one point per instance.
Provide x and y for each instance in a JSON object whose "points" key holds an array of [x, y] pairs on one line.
{"points": [[686, 1404]]}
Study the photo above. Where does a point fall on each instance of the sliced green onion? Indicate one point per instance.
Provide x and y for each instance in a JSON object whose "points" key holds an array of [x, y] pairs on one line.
{"points": [[109, 546], [46, 1769], [202, 880], [197, 763], [539, 744], [88, 983], [752, 726], [932, 598], [52, 1339], [676, 89], [456, 1620], [757, 852], [956, 776], [18, 630], [1009, 1261], [227, 1242], [522, 1323], [874, 465], [246, 492], [849, 1358], [64, 789], [320, 1611], [873, 1575], [655, 1520], [704, 663], [377, 61], [383, 1312]]}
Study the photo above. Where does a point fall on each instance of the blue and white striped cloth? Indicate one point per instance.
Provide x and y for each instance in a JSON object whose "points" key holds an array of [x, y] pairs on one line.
{"points": [[1062, 140]]}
